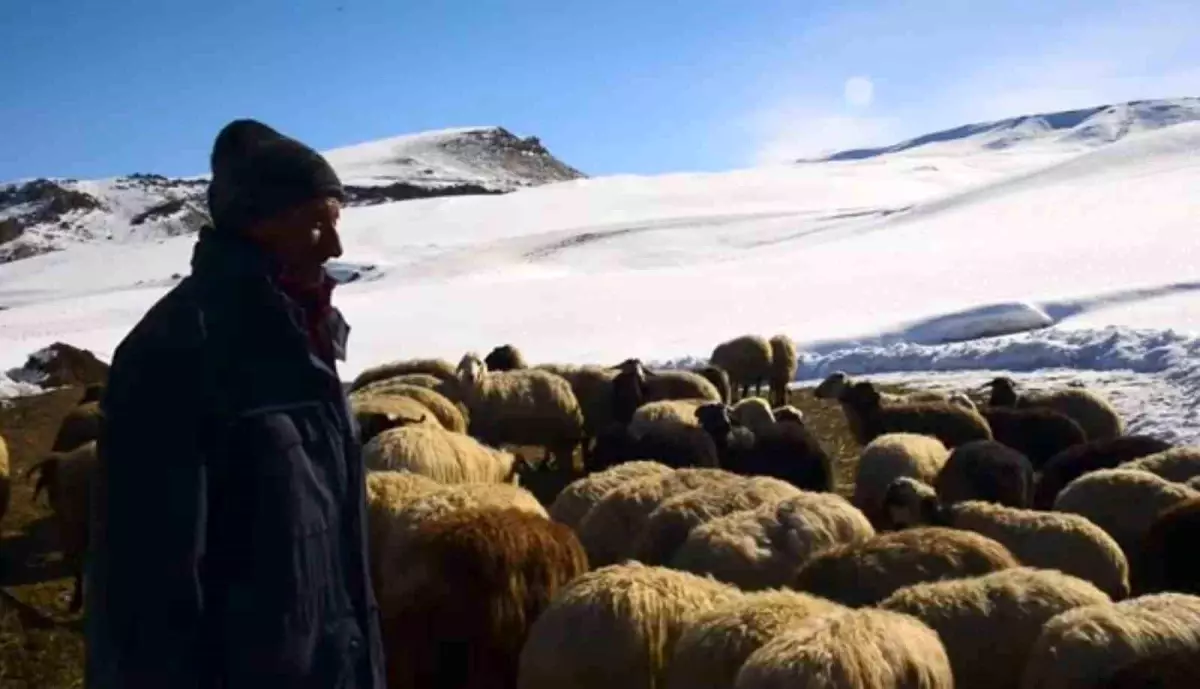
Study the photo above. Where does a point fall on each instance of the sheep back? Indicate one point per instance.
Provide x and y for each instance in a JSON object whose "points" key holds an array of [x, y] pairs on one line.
{"points": [[593, 389], [1066, 542], [573, 502], [856, 649], [1082, 648], [995, 616], [1179, 669], [752, 412], [441, 455], [949, 423], [375, 414], [712, 650], [1179, 464], [986, 470], [610, 528], [1123, 502], [746, 358], [1097, 417], [526, 407], [679, 385], [670, 412], [763, 547], [444, 411], [1168, 550], [474, 582], [1076, 461], [1037, 433], [616, 626], [891, 456], [668, 525], [439, 368], [864, 573]]}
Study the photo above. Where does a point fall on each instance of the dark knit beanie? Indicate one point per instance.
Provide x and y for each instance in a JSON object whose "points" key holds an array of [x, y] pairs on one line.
{"points": [[258, 172]]}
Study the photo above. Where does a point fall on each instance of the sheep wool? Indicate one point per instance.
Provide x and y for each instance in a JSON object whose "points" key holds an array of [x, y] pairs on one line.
{"points": [[1168, 554], [5, 478], [1123, 502], [857, 649], [443, 456], [783, 367], [439, 368], [719, 377], [668, 525], [387, 492], [375, 414], [763, 547], [712, 650], [616, 626], [1179, 464], [1093, 455], [1084, 647], [505, 357], [473, 583], [67, 479], [610, 528], [986, 470], [889, 457], [754, 413], [989, 623], [592, 386], [665, 412], [864, 573], [679, 385], [443, 410], [573, 502], [1065, 542]]}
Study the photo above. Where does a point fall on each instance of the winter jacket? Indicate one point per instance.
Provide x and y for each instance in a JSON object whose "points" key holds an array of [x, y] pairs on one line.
{"points": [[229, 542]]}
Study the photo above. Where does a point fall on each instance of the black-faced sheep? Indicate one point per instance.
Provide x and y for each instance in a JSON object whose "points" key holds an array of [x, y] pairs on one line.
{"points": [[996, 616], [473, 584], [438, 454], [864, 573], [986, 470], [573, 502], [748, 361], [1125, 503], [505, 357], [525, 407], [1039, 434], [786, 451], [1066, 542], [668, 526], [1091, 411], [439, 407], [712, 650], [67, 479], [616, 626], [887, 458], [608, 530], [1179, 464], [628, 391], [719, 377], [1076, 461], [1169, 556], [1084, 647], [783, 367], [950, 423], [763, 547], [856, 649], [439, 368]]}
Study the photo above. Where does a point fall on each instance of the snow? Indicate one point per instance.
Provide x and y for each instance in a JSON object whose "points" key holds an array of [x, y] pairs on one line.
{"points": [[947, 261]]}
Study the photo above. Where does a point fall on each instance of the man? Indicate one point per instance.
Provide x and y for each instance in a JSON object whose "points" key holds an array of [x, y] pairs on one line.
{"points": [[230, 538]]}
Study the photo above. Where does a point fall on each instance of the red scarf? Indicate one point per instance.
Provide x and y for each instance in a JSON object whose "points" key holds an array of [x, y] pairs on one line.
{"points": [[316, 299]]}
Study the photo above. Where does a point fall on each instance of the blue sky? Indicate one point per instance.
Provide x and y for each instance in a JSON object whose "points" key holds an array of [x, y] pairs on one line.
{"points": [[94, 88]]}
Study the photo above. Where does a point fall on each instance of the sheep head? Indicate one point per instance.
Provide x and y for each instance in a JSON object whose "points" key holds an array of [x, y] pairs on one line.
{"points": [[471, 369], [504, 358], [1004, 392], [714, 419], [633, 367], [909, 502], [862, 397], [833, 386]]}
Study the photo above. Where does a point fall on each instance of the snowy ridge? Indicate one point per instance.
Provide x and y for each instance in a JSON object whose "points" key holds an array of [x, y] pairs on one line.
{"points": [[39, 216], [1080, 129]]}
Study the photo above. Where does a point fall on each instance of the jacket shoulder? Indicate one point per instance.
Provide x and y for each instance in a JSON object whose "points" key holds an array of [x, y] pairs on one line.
{"points": [[171, 330]]}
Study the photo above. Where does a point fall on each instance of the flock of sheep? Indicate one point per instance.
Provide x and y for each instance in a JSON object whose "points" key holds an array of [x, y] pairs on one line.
{"points": [[1027, 542]]}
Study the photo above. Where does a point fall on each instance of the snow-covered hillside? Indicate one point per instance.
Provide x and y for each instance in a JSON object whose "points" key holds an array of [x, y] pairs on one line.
{"points": [[43, 215], [1070, 130], [1078, 260]]}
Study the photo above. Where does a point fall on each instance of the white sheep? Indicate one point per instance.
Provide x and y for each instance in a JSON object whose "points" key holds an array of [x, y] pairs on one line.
{"points": [[713, 648], [763, 547], [1066, 542], [995, 616], [616, 626], [439, 368], [573, 502], [522, 407], [1081, 648], [747, 359], [855, 649], [665, 413], [752, 412], [441, 455], [891, 456], [444, 411], [1179, 464]]}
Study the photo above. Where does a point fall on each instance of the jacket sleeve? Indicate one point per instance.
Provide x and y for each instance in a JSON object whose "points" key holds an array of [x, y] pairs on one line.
{"points": [[144, 596]]}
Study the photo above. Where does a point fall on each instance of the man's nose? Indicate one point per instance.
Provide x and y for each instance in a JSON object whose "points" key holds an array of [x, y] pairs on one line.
{"points": [[331, 242]]}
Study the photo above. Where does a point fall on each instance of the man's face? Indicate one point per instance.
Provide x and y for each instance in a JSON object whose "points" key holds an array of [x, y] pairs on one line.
{"points": [[303, 237]]}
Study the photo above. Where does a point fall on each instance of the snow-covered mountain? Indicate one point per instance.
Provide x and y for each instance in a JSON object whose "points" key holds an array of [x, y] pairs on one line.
{"points": [[1067, 130], [42, 215]]}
